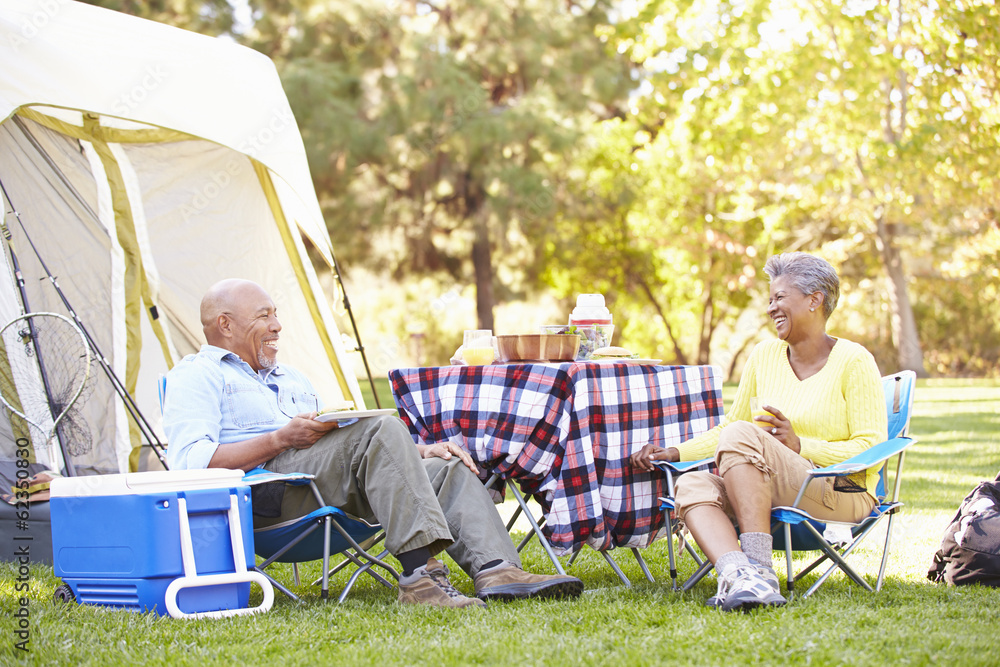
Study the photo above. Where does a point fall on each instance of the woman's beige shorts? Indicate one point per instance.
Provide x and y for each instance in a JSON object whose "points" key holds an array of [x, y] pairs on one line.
{"points": [[743, 443]]}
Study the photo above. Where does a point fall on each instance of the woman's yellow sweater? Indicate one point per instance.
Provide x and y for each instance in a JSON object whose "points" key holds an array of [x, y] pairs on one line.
{"points": [[837, 413]]}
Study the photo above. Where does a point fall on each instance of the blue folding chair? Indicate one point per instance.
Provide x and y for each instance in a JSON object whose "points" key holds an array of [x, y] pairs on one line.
{"points": [[318, 535], [312, 536], [795, 530], [668, 506]]}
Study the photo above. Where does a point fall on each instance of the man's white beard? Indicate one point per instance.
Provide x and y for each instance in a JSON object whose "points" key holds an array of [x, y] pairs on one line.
{"points": [[265, 361]]}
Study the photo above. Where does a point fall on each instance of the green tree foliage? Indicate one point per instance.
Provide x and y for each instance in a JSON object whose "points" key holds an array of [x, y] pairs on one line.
{"points": [[438, 131], [210, 17], [658, 152], [858, 129]]}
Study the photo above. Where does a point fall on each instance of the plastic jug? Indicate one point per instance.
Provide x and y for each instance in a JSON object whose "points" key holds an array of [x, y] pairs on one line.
{"points": [[590, 309], [593, 321]]}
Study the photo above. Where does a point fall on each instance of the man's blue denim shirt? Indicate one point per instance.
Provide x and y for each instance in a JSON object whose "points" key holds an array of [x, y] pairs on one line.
{"points": [[214, 398]]}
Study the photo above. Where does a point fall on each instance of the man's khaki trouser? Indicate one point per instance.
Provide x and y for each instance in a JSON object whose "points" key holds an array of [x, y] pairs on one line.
{"points": [[372, 470]]}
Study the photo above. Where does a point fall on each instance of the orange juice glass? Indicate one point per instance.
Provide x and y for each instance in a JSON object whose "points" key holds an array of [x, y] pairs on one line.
{"points": [[757, 410], [477, 347], [478, 356]]}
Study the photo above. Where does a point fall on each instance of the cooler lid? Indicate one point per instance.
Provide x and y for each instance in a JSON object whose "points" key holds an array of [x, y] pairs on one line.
{"points": [[134, 483]]}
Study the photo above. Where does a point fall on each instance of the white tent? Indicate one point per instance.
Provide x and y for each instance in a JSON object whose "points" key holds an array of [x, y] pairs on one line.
{"points": [[145, 163]]}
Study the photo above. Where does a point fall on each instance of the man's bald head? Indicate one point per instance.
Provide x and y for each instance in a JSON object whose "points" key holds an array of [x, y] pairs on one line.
{"points": [[224, 297], [238, 315]]}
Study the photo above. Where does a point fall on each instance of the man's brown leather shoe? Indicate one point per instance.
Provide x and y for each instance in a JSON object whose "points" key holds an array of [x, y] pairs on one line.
{"points": [[429, 585], [507, 582]]}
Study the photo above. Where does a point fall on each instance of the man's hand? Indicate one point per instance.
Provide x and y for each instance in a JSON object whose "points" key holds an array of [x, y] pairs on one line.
{"points": [[300, 433], [303, 431], [445, 450], [643, 459]]}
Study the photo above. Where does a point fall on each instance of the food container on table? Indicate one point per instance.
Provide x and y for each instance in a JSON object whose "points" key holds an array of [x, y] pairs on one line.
{"points": [[592, 336], [594, 324], [538, 347]]}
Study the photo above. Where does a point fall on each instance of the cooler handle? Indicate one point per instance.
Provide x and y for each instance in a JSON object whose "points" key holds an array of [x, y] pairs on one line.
{"points": [[191, 579]]}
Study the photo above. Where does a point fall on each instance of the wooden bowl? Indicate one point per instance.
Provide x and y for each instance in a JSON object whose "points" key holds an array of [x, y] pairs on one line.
{"points": [[538, 347]]}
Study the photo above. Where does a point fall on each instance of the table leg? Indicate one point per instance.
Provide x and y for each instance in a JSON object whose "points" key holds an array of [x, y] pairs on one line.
{"points": [[535, 527]]}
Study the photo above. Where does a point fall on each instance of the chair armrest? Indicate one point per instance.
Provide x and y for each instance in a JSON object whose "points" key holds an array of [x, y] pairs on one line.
{"points": [[261, 476], [682, 466], [869, 458]]}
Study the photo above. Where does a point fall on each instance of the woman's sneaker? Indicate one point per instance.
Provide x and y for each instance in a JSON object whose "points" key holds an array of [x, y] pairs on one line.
{"points": [[770, 576], [743, 588], [722, 587]]}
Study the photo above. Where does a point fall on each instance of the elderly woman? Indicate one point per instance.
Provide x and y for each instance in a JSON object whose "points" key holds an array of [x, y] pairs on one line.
{"points": [[824, 404]]}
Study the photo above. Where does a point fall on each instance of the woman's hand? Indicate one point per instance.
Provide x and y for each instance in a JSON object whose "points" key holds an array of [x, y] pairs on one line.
{"points": [[781, 428], [445, 450], [643, 459]]}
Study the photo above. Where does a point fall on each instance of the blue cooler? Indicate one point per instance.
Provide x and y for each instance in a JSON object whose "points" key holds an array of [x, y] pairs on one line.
{"points": [[177, 542]]}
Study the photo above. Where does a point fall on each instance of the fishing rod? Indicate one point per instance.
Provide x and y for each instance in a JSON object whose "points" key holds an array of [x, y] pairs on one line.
{"points": [[33, 336], [133, 409]]}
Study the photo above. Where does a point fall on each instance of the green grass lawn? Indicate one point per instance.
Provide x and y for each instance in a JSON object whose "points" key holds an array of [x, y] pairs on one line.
{"points": [[911, 620]]}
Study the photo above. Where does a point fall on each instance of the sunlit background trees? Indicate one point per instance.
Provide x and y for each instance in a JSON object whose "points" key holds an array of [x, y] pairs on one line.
{"points": [[480, 162]]}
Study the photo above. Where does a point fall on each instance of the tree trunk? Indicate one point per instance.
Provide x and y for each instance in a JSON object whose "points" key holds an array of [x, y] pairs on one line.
{"points": [[678, 352], [707, 327], [909, 352], [482, 263]]}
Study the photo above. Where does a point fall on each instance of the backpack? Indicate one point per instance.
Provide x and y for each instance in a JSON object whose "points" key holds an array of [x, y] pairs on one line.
{"points": [[970, 548]]}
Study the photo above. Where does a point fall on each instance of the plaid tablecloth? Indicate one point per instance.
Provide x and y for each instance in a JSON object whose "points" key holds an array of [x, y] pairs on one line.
{"points": [[565, 432]]}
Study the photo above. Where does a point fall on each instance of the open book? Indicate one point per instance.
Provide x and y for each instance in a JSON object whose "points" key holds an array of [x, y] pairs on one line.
{"points": [[340, 415]]}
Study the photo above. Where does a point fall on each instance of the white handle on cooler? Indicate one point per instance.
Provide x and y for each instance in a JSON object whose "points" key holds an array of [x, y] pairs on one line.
{"points": [[211, 580], [192, 579]]}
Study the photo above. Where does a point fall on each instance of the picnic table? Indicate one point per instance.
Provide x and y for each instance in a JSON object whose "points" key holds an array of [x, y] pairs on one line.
{"points": [[564, 432]]}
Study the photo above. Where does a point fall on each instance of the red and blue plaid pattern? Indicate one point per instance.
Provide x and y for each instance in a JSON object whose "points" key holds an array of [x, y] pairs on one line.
{"points": [[565, 432]]}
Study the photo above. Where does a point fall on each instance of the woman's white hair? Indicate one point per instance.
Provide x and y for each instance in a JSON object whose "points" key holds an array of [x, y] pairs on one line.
{"points": [[808, 274]]}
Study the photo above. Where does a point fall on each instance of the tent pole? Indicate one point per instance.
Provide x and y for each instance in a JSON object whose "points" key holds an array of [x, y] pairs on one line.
{"points": [[357, 334], [119, 387]]}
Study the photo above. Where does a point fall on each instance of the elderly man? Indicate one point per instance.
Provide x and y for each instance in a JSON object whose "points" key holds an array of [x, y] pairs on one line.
{"points": [[233, 405]]}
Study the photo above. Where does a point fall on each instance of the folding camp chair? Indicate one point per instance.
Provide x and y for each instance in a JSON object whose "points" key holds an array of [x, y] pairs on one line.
{"points": [[536, 531], [668, 506], [312, 537], [795, 530]]}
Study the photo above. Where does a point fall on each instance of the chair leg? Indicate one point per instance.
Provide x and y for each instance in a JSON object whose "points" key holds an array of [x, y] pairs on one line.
{"points": [[699, 574], [351, 558], [790, 581], [325, 588], [363, 553], [642, 565], [885, 551], [344, 563], [670, 549], [513, 518], [364, 568], [531, 534], [277, 585], [838, 562], [618, 570]]}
